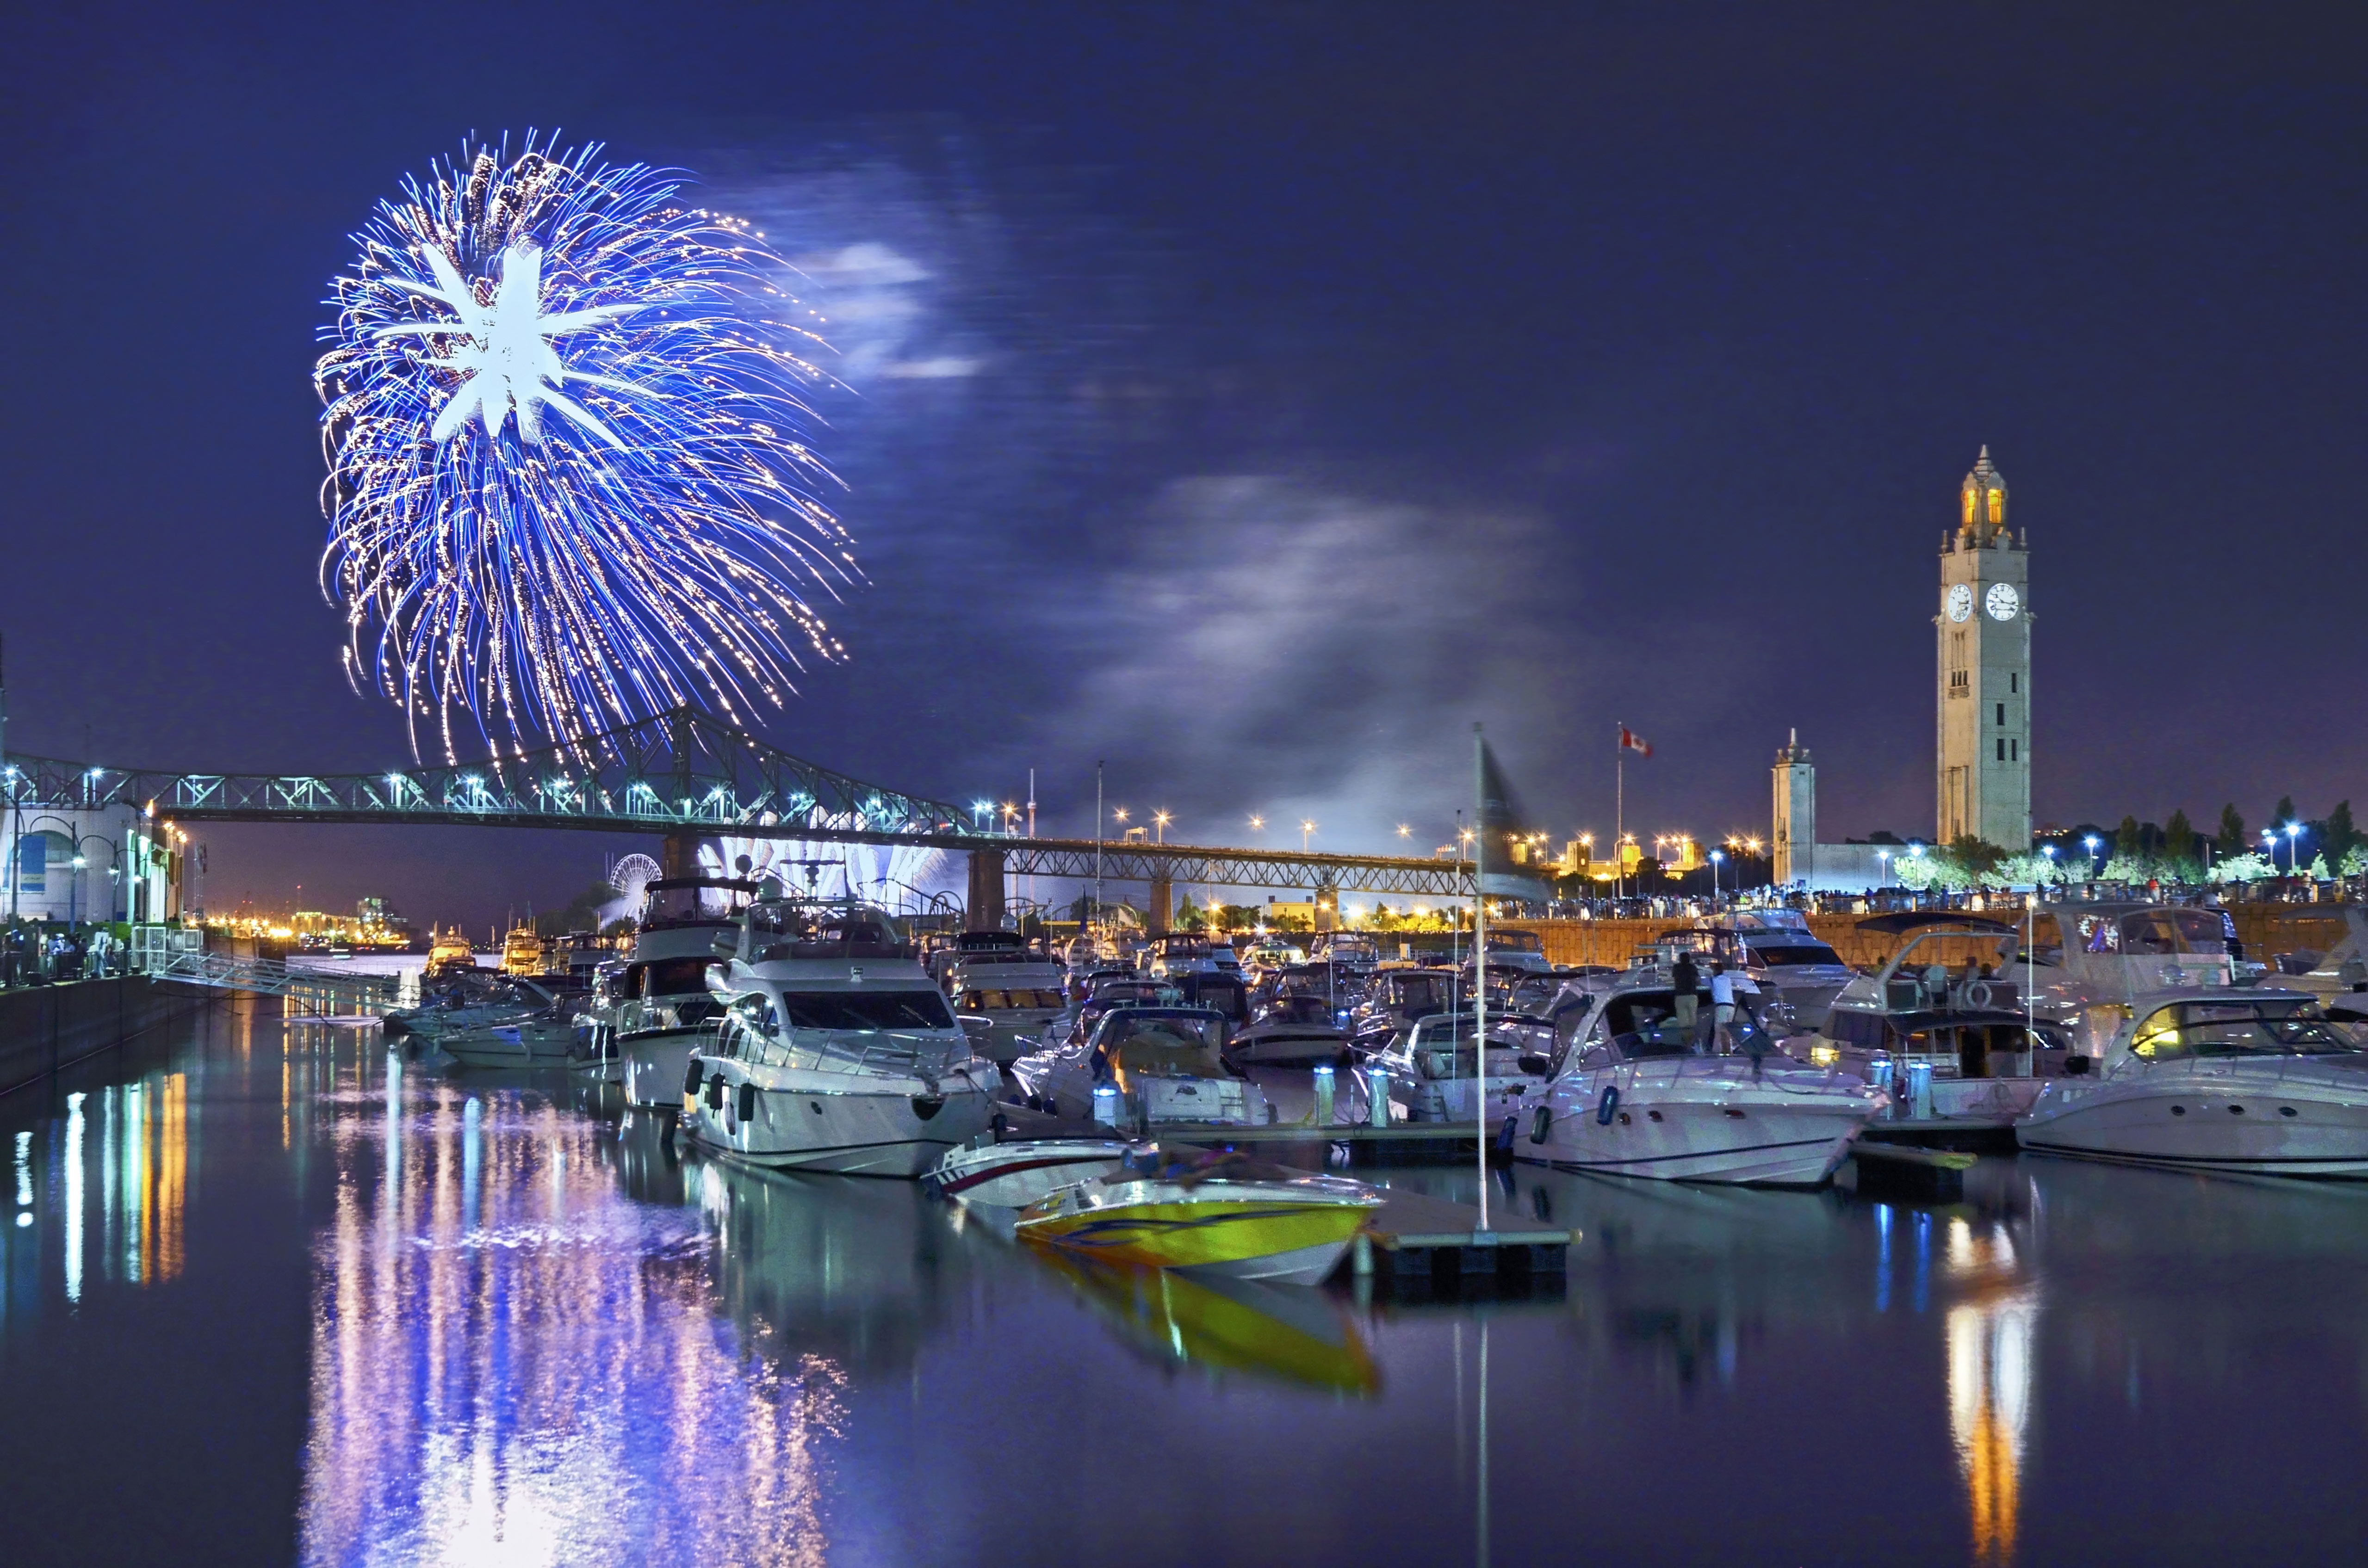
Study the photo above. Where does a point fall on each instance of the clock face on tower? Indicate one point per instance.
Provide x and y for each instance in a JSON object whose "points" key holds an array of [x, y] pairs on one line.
{"points": [[2002, 601], [1961, 602]]}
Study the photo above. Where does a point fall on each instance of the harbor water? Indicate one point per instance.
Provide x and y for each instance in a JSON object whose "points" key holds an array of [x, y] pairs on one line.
{"points": [[271, 1292]]}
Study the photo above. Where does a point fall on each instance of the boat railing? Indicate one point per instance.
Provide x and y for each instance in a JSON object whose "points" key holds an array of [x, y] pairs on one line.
{"points": [[886, 1053]]}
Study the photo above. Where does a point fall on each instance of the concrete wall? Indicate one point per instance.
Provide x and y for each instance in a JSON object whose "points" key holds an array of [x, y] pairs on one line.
{"points": [[43, 1027]]}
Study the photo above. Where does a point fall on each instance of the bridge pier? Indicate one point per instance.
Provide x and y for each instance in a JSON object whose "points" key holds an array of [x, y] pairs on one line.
{"points": [[984, 912], [680, 855], [1163, 899]]}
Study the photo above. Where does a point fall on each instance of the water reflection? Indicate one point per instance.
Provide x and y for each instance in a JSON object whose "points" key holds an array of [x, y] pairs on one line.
{"points": [[1226, 1326], [513, 1361]]}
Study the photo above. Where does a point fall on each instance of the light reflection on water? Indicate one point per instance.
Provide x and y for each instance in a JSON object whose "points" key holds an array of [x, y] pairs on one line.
{"points": [[539, 1333], [515, 1361]]}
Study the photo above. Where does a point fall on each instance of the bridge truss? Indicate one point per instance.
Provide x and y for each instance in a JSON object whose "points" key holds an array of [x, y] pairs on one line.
{"points": [[683, 772]]}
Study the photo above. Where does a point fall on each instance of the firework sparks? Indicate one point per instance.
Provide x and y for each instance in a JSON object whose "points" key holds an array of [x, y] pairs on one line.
{"points": [[569, 484]]}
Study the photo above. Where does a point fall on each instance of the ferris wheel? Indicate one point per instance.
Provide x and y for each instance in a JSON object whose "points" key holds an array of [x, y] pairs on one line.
{"points": [[633, 876]]}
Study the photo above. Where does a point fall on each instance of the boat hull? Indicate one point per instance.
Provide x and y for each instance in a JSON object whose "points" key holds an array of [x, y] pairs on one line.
{"points": [[896, 1129], [509, 1045], [1725, 1130], [1013, 1176], [656, 1062], [1280, 1240], [2231, 1125]]}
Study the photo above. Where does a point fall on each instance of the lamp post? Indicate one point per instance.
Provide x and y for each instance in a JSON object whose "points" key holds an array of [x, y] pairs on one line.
{"points": [[2270, 837], [1883, 867], [1715, 857], [2091, 842], [2294, 849]]}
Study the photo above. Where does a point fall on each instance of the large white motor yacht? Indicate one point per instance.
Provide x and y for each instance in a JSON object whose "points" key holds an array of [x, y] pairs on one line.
{"points": [[1637, 1093], [836, 1051], [663, 1010], [2226, 1079]]}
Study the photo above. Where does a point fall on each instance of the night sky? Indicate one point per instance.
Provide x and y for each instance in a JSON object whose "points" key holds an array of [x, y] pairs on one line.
{"points": [[1256, 396]]}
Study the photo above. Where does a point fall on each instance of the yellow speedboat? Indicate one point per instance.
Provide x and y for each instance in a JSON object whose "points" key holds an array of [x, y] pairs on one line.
{"points": [[1221, 1221], [1229, 1325]]}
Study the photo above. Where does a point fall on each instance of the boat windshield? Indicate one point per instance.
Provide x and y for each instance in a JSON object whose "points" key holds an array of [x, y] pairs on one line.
{"points": [[2155, 931], [2237, 1028], [691, 904], [998, 1001], [871, 1010], [1298, 1009], [1777, 954], [1516, 942], [1164, 1044]]}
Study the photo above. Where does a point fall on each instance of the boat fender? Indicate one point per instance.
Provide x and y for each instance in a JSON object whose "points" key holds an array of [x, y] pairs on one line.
{"points": [[1540, 1120], [1505, 1132], [1607, 1106], [690, 1080], [715, 1092], [1979, 996], [748, 1102]]}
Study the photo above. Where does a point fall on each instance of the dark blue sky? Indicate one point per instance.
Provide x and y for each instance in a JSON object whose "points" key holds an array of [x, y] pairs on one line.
{"points": [[1322, 377]]}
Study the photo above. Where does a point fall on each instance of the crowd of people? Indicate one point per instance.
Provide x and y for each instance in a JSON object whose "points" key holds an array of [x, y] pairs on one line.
{"points": [[48, 952]]}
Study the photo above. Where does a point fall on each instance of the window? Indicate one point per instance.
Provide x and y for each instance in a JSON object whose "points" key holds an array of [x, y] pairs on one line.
{"points": [[2001, 751], [2014, 751], [2002, 715], [1997, 507], [867, 1010], [2014, 680], [1969, 509]]}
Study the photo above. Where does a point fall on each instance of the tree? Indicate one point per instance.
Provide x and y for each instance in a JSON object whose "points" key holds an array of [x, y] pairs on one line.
{"points": [[2129, 841], [2181, 862], [2231, 839], [2337, 836], [2283, 814]]}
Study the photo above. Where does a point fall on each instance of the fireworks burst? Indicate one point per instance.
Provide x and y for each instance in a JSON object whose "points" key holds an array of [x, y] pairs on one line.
{"points": [[569, 485]]}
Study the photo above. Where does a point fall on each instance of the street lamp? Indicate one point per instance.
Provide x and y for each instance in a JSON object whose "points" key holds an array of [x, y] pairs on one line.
{"points": [[1404, 831], [1257, 824], [1883, 867], [2270, 837], [2091, 842], [2294, 848], [1160, 821], [1715, 857], [1305, 827]]}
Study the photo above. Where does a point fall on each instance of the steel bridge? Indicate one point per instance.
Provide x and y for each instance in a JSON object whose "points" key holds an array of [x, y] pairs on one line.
{"points": [[685, 776]]}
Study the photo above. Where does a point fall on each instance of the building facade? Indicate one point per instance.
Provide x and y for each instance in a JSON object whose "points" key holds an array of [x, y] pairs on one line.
{"points": [[1982, 764]]}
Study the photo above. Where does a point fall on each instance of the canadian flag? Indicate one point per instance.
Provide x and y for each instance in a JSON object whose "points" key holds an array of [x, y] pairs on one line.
{"points": [[1631, 740]]}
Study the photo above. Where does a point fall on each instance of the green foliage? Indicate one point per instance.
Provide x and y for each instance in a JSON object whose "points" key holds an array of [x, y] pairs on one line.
{"points": [[1293, 924], [2249, 866], [2283, 814], [2231, 840], [2355, 860], [2318, 871], [618, 928], [2025, 871], [1974, 856], [2179, 837], [2129, 844], [2338, 835]]}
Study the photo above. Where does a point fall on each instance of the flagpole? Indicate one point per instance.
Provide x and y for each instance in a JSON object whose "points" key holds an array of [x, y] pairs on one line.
{"points": [[1480, 960], [1619, 814]]}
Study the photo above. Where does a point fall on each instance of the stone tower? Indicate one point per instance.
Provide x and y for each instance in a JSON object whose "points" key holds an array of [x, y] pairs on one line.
{"points": [[1983, 770], [1793, 842]]}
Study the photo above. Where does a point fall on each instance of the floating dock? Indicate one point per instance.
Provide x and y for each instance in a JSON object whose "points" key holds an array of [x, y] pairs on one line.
{"points": [[1414, 1236]]}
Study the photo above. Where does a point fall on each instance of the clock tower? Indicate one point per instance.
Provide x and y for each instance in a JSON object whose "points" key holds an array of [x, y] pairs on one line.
{"points": [[1984, 765]]}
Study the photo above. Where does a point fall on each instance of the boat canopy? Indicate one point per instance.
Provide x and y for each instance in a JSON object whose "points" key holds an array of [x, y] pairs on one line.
{"points": [[1163, 1042], [2275, 1024]]}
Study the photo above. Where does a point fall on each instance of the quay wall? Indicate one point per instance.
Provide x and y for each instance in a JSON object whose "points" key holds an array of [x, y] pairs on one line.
{"points": [[2264, 928], [44, 1028]]}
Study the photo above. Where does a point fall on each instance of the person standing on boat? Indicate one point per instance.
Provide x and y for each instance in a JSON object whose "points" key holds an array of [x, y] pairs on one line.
{"points": [[1685, 986], [1722, 1007]]}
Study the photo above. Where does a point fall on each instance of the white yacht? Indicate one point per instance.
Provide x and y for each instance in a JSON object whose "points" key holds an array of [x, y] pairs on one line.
{"points": [[1637, 1093], [1430, 1073], [836, 1052], [1166, 1065], [489, 1020], [662, 1010], [994, 978], [1783, 958], [2237, 1080], [984, 1174]]}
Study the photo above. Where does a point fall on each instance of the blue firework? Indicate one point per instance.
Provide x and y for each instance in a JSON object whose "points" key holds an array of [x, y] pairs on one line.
{"points": [[566, 426]]}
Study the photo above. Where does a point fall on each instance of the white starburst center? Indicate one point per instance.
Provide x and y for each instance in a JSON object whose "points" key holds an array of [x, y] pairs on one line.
{"points": [[505, 354]]}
